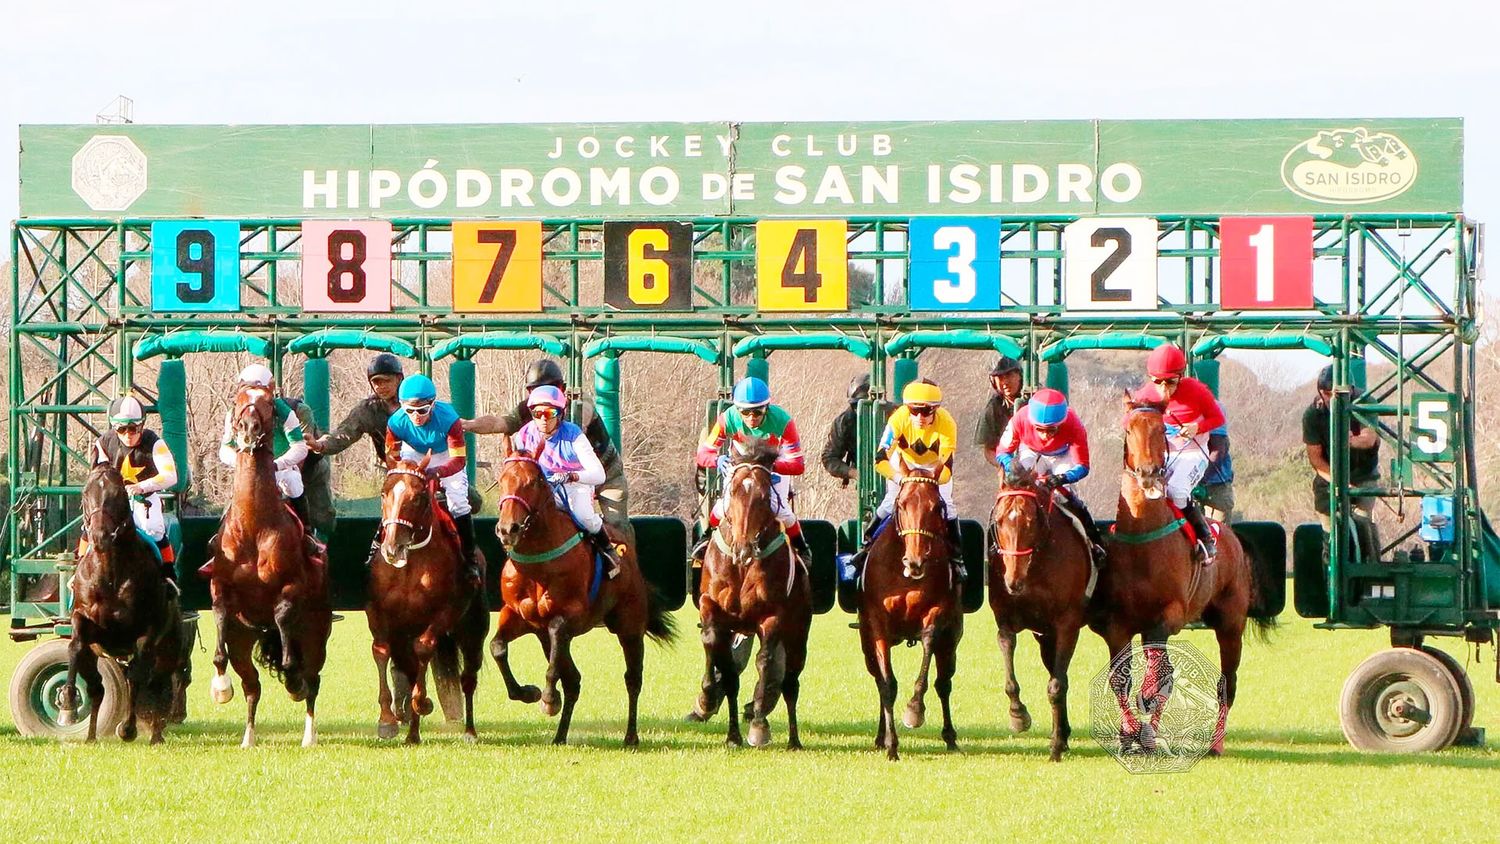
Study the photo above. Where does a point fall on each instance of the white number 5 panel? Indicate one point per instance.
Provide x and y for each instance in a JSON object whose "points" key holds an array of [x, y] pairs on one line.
{"points": [[1109, 264]]}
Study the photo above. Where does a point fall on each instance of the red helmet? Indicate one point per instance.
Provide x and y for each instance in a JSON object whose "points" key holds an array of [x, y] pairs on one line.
{"points": [[1166, 361]]}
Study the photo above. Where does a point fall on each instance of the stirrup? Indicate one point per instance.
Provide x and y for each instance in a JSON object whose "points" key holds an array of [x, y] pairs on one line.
{"points": [[1204, 555]]}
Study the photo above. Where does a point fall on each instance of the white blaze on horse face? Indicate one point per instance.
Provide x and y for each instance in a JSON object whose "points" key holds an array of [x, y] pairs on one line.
{"points": [[1015, 515], [748, 484]]}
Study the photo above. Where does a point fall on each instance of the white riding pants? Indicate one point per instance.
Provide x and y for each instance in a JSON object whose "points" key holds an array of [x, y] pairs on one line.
{"points": [[148, 516], [781, 500], [1187, 460], [455, 486]]}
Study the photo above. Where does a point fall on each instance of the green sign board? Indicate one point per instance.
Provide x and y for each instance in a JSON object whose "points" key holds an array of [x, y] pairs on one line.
{"points": [[682, 170]]}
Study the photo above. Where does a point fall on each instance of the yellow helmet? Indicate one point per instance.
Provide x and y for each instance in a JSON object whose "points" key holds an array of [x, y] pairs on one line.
{"points": [[920, 392]]}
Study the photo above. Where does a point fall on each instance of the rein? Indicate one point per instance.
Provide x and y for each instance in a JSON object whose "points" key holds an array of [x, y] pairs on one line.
{"points": [[546, 556], [384, 523], [1040, 508]]}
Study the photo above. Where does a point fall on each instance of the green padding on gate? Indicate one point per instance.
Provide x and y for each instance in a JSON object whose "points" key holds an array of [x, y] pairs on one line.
{"points": [[961, 339], [315, 389], [320, 343], [171, 406], [1211, 346], [461, 393], [704, 349], [1062, 348], [661, 546], [822, 538], [1266, 543], [607, 395], [187, 342], [766, 344], [1309, 572], [468, 343]]}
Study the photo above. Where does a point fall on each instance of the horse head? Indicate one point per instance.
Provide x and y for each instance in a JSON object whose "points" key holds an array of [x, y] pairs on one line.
{"points": [[1020, 524], [253, 418], [749, 514], [106, 508], [406, 503], [919, 520], [523, 493], [1146, 446]]}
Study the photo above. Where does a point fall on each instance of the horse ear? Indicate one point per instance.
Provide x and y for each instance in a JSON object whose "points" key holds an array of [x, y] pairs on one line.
{"points": [[505, 446], [426, 459], [1127, 399]]}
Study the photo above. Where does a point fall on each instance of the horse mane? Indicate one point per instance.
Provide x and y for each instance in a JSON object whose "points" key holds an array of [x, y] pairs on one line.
{"points": [[1016, 477], [759, 451]]}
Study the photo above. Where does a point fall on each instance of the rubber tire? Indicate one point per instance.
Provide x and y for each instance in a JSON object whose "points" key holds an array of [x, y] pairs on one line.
{"points": [[1465, 686], [39, 664], [1357, 713]]}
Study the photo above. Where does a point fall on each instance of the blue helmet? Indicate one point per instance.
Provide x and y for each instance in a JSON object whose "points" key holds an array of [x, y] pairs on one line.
{"points": [[417, 388], [751, 392], [1047, 407]]}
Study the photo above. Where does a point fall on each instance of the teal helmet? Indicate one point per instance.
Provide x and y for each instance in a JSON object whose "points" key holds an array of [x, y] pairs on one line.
{"points": [[417, 388]]}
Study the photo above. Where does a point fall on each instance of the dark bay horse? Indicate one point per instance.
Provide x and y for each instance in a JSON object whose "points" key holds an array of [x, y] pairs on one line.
{"points": [[122, 609], [418, 611], [1039, 574], [552, 587], [1152, 587], [752, 585], [912, 591], [269, 589]]}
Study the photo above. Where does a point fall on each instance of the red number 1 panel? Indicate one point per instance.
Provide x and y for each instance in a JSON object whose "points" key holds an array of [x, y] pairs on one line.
{"points": [[1265, 263]]}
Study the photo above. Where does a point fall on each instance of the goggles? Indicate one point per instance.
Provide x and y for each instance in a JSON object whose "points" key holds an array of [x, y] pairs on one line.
{"points": [[1045, 430], [921, 409], [545, 412], [127, 427], [753, 411], [417, 409], [1166, 382]]}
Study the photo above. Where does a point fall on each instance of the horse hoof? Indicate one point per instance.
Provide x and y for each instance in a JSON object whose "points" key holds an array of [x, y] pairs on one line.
{"points": [[760, 734], [125, 731], [386, 731], [1020, 722], [67, 717], [632, 740], [424, 707], [915, 717], [528, 694], [470, 738], [1146, 738], [550, 707], [696, 717], [734, 740], [220, 689]]}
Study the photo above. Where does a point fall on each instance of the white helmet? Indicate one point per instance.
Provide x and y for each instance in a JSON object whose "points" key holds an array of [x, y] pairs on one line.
{"points": [[256, 375]]}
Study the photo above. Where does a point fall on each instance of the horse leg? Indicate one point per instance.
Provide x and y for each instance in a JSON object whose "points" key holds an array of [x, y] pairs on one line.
{"points": [[560, 668], [1156, 685], [508, 628], [770, 664], [409, 662], [470, 638], [916, 708], [1020, 719], [68, 696], [240, 644], [886, 681], [385, 724], [83, 662], [137, 678], [946, 651], [711, 693], [220, 689], [634, 648], [1117, 639], [1231, 636], [313, 646], [795, 643], [1057, 650], [872, 665], [717, 642], [285, 616]]}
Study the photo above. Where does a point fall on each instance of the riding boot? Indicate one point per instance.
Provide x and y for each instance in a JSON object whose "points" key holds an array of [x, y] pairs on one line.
{"points": [[1096, 539], [701, 548], [606, 548], [857, 562], [799, 544], [1195, 517], [469, 571], [299, 506], [956, 541], [168, 564]]}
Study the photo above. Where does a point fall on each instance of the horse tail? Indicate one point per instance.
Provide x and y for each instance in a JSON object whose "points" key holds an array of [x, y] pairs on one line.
{"points": [[268, 653], [445, 659], [1261, 624], [661, 626]]}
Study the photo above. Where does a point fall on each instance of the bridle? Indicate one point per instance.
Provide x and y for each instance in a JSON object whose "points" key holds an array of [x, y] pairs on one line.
{"points": [[1041, 511], [916, 531], [758, 549], [1141, 476], [239, 444], [384, 523], [525, 505]]}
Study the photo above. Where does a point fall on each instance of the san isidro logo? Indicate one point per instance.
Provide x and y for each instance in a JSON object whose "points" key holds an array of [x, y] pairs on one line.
{"points": [[1349, 166]]}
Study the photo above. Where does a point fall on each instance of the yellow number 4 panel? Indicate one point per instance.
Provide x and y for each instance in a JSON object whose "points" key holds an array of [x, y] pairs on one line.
{"points": [[802, 265], [497, 267]]}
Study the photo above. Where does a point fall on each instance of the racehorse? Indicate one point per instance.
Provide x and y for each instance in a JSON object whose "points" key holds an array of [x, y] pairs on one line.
{"points": [[552, 585], [911, 590], [1039, 576], [1153, 586], [268, 583], [752, 585], [122, 609], [418, 611]]}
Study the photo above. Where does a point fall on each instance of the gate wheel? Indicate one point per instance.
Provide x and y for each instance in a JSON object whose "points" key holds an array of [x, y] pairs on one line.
{"points": [[1401, 700], [36, 686]]}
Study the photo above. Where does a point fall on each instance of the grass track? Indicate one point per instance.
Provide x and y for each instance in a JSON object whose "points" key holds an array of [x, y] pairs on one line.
{"points": [[1288, 774]]}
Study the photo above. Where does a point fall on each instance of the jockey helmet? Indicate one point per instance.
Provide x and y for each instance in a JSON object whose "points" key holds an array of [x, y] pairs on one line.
{"points": [[544, 371], [859, 387], [1047, 408], [417, 388], [384, 363], [751, 393], [126, 409], [1325, 378], [1005, 364], [256, 375], [547, 395], [921, 392], [1166, 361]]}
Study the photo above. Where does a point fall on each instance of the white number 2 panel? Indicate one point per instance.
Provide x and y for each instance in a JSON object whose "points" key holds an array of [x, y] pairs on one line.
{"points": [[1109, 264]]}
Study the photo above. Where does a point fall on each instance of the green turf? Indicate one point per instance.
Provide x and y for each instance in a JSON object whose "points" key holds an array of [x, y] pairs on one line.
{"points": [[1288, 773]]}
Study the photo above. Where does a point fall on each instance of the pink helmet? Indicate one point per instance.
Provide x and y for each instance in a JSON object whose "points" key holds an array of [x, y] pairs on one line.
{"points": [[1166, 361], [547, 395]]}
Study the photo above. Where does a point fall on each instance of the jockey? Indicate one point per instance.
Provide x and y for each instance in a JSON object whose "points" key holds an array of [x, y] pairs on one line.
{"points": [[569, 462], [426, 426], [919, 434], [287, 443], [1192, 413], [1049, 439], [754, 417], [146, 465]]}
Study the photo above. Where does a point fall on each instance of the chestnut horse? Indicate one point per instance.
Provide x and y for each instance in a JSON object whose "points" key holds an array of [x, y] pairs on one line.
{"points": [[1039, 576], [269, 588], [1153, 587], [551, 586], [751, 584], [418, 610], [122, 609], [911, 591]]}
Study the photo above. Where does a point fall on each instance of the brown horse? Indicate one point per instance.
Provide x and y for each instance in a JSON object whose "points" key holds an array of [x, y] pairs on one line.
{"points": [[418, 610], [912, 591], [1153, 587], [1039, 574], [551, 586], [269, 589], [752, 585], [122, 609]]}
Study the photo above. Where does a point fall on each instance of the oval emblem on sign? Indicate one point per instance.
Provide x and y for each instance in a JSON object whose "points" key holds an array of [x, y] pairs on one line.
{"points": [[1349, 166]]}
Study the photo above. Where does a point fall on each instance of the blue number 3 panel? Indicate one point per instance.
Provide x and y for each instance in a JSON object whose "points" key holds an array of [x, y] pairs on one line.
{"points": [[195, 266], [955, 263]]}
